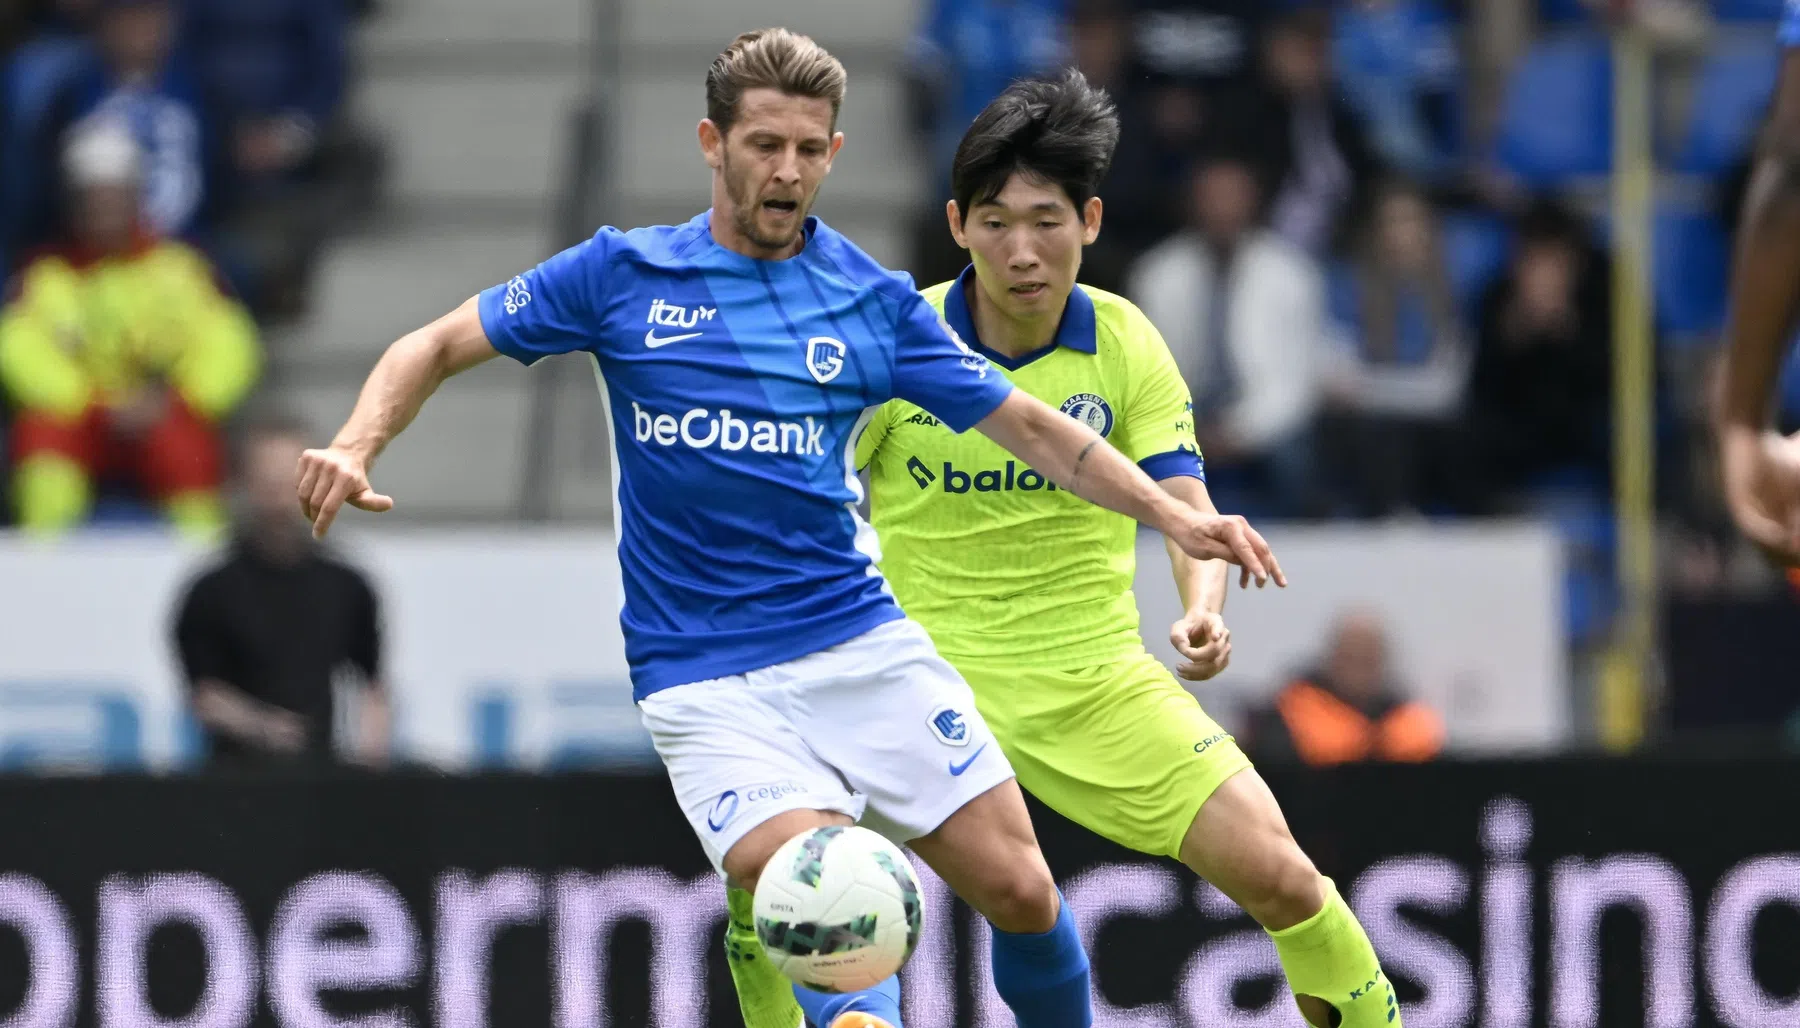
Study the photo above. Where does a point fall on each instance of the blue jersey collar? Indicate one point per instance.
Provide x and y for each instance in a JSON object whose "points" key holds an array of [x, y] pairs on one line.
{"points": [[703, 221], [1077, 330]]}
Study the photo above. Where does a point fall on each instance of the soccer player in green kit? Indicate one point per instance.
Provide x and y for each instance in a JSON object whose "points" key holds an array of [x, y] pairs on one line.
{"points": [[1026, 589]]}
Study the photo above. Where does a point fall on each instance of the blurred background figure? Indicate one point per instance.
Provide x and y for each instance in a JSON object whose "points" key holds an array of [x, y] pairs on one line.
{"points": [[1395, 383], [136, 74], [1401, 70], [1312, 145], [963, 55], [967, 52], [1540, 394], [120, 354], [1243, 312], [270, 636], [1348, 709], [294, 165]]}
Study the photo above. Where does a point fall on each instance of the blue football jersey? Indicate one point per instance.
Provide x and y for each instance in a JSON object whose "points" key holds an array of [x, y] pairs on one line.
{"points": [[735, 390], [1789, 33]]}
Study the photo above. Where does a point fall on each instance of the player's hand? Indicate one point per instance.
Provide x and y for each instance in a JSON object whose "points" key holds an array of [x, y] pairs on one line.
{"points": [[1204, 644], [1228, 537], [1761, 472], [330, 478]]}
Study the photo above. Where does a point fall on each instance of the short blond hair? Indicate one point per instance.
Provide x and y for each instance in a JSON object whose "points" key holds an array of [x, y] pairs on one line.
{"points": [[772, 59]]}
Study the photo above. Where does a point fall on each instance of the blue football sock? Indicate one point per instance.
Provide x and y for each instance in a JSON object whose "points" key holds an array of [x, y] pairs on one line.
{"points": [[883, 1001], [1044, 978]]}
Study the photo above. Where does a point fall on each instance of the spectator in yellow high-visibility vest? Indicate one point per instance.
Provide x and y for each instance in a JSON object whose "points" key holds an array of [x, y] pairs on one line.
{"points": [[121, 354]]}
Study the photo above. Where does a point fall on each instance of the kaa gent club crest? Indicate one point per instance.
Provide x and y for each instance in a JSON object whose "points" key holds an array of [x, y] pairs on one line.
{"points": [[824, 358]]}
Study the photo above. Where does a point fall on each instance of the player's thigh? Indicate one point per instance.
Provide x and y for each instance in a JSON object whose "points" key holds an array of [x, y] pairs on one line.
{"points": [[1122, 749], [738, 764], [1240, 842], [900, 725], [987, 852]]}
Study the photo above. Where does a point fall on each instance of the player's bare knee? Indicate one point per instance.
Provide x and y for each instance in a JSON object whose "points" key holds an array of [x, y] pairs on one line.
{"points": [[744, 862], [1285, 890], [1022, 901]]}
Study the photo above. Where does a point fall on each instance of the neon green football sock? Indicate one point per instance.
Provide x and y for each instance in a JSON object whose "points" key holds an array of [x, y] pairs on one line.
{"points": [[765, 996], [1328, 956]]}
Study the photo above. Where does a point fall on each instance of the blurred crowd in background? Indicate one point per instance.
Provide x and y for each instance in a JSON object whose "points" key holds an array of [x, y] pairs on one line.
{"points": [[169, 171], [1373, 232], [1375, 235]]}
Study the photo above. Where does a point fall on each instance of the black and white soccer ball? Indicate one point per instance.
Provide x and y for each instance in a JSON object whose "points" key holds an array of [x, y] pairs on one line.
{"points": [[838, 909]]}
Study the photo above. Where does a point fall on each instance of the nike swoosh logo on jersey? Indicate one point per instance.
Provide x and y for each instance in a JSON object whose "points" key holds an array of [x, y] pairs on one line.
{"points": [[956, 769], [652, 340]]}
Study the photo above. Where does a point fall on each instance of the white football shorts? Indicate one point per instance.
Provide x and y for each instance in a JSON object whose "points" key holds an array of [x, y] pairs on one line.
{"points": [[880, 728]]}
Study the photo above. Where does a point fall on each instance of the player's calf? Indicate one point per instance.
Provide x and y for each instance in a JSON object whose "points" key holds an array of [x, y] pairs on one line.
{"points": [[1240, 842]]}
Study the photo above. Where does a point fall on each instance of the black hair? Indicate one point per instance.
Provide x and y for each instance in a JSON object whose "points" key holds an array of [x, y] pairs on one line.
{"points": [[1060, 130]]}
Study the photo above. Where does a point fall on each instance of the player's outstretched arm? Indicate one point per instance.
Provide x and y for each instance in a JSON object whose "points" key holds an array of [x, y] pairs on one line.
{"points": [[1074, 457], [1761, 470], [407, 373]]}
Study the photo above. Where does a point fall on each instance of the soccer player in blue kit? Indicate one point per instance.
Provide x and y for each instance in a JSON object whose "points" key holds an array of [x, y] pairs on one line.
{"points": [[1760, 467], [740, 356]]}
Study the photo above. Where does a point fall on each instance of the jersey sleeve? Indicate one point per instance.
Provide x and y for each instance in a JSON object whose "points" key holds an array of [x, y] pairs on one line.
{"points": [[552, 308], [1158, 420], [936, 370], [873, 434], [1789, 32]]}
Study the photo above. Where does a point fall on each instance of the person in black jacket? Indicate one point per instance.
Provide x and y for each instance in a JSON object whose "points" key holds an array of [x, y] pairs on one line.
{"points": [[270, 635], [1540, 393], [1313, 147]]}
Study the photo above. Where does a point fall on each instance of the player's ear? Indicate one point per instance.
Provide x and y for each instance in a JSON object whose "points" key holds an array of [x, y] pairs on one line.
{"points": [[953, 215], [712, 143], [837, 143], [1090, 220]]}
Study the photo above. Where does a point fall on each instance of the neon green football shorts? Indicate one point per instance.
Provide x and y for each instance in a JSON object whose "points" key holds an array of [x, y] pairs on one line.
{"points": [[1120, 749]]}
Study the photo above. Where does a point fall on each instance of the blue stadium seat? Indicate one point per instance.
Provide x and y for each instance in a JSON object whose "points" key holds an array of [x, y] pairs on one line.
{"points": [[1730, 95], [48, 724], [1562, 10], [123, 511], [1556, 118], [1747, 10], [1690, 259], [1476, 247], [491, 718], [35, 71]]}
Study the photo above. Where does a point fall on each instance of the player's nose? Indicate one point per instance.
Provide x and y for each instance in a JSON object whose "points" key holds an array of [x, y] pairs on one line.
{"points": [[787, 170]]}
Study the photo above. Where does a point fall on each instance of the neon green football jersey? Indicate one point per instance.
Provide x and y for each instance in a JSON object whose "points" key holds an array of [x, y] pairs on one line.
{"points": [[991, 558]]}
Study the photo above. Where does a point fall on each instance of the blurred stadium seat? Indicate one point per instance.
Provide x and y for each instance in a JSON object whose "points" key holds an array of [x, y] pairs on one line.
{"points": [[1747, 10], [1562, 10], [1475, 246], [1729, 97], [1689, 259], [1556, 117], [47, 724]]}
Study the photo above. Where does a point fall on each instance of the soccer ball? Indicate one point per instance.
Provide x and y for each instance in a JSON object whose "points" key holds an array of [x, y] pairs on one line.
{"points": [[838, 909]]}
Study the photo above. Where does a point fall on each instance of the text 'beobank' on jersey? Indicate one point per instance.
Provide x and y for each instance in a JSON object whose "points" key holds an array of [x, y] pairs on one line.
{"points": [[736, 389]]}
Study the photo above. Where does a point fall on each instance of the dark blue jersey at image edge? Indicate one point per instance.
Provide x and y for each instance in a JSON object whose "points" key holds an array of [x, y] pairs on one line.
{"points": [[735, 390]]}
